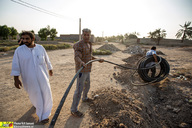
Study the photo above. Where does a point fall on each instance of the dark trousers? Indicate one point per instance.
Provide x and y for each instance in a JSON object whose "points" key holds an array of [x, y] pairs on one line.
{"points": [[153, 70]]}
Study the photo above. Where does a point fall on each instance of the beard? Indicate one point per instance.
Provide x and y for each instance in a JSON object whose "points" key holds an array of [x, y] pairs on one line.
{"points": [[28, 43]]}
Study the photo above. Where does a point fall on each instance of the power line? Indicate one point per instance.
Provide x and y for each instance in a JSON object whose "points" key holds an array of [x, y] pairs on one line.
{"points": [[40, 8], [37, 8]]}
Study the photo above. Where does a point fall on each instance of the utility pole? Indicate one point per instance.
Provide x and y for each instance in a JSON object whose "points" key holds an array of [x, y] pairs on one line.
{"points": [[79, 29], [102, 35]]}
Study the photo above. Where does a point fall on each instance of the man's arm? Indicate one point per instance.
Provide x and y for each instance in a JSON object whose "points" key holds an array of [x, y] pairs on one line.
{"points": [[78, 54], [17, 83], [47, 60], [155, 57], [16, 70]]}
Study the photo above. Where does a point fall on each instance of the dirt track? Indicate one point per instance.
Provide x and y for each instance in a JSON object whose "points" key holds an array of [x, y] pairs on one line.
{"points": [[15, 105]]}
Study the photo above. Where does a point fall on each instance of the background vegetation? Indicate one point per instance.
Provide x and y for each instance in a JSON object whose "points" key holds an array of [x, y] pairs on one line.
{"points": [[102, 52], [12, 45], [185, 33]]}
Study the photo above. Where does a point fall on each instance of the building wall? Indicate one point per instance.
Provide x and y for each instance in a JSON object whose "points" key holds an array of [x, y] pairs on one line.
{"points": [[73, 37]]}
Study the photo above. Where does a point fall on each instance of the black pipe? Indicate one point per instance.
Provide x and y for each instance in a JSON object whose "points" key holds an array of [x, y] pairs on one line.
{"points": [[143, 73]]}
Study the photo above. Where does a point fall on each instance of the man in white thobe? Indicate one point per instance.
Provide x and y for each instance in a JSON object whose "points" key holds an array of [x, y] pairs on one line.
{"points": [[31, 62]]}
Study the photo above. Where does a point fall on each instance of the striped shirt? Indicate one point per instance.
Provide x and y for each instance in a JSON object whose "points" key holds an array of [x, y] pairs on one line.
{"points": [[82, 53]]}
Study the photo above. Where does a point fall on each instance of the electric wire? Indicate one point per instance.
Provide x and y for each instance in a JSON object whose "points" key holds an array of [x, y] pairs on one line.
{"points": [[41, 9], [37, 8]]}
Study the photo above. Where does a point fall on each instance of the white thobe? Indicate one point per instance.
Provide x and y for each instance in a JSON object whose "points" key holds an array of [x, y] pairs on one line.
{"points": [[32, 65]]}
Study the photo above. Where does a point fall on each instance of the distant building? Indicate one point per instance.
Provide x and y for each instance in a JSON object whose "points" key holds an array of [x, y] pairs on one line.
{"points": [[73, 37]]}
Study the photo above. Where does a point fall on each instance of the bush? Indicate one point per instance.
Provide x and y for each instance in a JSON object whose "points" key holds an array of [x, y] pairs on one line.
{"points": [[102, 52], [12, 46], [8, 43], [49, 46], [54, 47], [4, 49], [63, 46]]}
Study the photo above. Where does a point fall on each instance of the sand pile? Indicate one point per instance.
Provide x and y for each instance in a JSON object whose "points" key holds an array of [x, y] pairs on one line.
{"points": [[109, 47], [134, 49], [160, 53], [114, 108]]}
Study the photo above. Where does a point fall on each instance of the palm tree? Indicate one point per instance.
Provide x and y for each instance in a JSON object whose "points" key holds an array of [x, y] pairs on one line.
{"points": [[185, 32], [151, 35], [157, 35]]}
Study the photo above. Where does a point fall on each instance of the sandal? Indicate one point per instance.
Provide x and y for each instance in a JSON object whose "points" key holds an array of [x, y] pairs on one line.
{"points": [[87, 100], [77, 114], [45, 121]]}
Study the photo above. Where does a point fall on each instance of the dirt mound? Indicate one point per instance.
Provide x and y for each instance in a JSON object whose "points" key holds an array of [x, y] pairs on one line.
{"points": [[117, 108], [159, 52], [173, 102], [109, 47], [134, 49]]}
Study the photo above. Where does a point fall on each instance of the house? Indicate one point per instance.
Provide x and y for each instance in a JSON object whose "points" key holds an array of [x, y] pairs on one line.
{"points": [[73, 37]]}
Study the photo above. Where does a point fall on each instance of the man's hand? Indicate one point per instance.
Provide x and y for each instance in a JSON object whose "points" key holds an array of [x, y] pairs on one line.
{"points": [[83, 64], [17, 83], [93, 58], [50, 72], [101, 60]]}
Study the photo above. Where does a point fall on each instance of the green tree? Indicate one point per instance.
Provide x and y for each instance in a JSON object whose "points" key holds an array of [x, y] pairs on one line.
{"points": [[33, 31], [5, 31], [43, 33], [47, 32], [13, 33], [110, 38], [185, 32], [132, 35], [99, 39], [126, 36], [158, 35], [120, 38], [53, 33]]}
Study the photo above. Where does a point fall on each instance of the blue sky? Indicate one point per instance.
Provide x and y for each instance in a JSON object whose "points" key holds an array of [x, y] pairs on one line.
{"points": [[103, 17]]}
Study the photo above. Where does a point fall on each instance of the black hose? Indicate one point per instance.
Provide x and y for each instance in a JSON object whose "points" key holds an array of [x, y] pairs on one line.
{"points": [[141, 70], [143, 73]]}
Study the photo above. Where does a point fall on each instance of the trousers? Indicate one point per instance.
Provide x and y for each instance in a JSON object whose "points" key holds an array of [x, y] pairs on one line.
{"points": [[83, 85]]}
